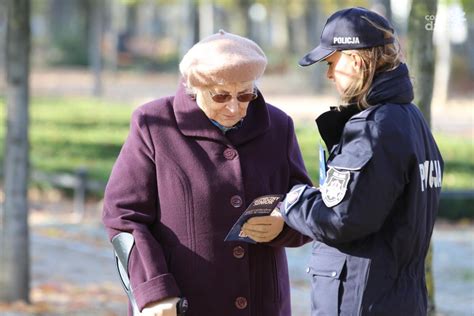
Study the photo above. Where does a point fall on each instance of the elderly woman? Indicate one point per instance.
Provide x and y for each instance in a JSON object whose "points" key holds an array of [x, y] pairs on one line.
{"points": [[191, 164]]}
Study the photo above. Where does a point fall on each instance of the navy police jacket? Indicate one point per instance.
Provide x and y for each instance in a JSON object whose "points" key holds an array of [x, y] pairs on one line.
{"points": [[373, 217]]}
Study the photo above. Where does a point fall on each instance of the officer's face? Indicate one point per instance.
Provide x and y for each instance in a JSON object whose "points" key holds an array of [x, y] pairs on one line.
{"points": [[343, 69], [227, 103]]}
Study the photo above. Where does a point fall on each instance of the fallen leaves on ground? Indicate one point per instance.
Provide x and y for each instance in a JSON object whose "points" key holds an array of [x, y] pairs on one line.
{"points": [[67, 299]]}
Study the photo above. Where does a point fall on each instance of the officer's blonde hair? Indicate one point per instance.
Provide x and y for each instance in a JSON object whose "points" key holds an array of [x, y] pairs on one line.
{"points": [[374, 60]]}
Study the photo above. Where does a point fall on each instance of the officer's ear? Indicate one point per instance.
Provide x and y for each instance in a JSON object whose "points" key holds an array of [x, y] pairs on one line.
{"points": [[356, 61]]}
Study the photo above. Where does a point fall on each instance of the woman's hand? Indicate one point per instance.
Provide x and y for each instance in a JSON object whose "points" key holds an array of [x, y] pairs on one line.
{"points": [[166, 307], [264, 228]]}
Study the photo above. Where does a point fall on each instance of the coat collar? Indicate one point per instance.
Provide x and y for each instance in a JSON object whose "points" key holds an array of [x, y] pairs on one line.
{"points": [[193, 122], [392, 86]]}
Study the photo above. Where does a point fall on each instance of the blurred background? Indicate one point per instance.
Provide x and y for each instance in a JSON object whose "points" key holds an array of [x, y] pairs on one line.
{"points": [[94, 61]]}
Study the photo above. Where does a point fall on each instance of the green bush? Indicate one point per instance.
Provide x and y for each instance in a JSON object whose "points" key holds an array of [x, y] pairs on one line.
{"points": [[69, 50], [455, 208]]}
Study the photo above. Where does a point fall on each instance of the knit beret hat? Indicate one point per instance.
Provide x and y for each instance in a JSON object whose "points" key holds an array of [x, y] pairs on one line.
{"points": [[222, 58]]}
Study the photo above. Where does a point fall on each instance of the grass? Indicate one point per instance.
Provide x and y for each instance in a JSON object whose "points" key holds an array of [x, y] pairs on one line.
{"points": [[69, 133], [66, 134]]}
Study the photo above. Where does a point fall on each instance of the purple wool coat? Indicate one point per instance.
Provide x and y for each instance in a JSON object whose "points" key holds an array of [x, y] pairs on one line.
{"points": [[178, 186]]}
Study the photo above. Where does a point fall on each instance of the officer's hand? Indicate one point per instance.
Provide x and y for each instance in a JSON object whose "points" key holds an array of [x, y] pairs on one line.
{"points": [[166, 307], [264, 228]]}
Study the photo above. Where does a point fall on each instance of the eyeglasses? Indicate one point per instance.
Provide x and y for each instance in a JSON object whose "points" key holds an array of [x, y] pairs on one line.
{"points": [[243, 97]]}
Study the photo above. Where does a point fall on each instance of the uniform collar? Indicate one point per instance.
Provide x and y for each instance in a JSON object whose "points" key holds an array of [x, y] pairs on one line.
{"points": [[331, 123], [392, 86], [193, 122], [388, 87]]}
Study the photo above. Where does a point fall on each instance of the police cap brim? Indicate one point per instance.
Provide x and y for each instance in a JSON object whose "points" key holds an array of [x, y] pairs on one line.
{"points": [[317, 54]]}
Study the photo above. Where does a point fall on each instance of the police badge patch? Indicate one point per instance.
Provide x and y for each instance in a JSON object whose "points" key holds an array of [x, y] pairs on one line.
{"points": [[335, 186]]}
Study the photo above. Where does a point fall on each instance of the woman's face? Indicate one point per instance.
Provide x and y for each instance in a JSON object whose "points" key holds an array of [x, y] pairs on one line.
{"points": [[343, 69], [231, 111]]}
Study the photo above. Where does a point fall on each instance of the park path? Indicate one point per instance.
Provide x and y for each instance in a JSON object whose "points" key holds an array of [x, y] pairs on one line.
{"points": [[73, 270]]}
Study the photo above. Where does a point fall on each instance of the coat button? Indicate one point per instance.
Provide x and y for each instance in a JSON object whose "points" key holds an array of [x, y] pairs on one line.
{"points": [[230, 153], [239, 252], [236, 201], [241, 302], [334, 273], [308, 270]]}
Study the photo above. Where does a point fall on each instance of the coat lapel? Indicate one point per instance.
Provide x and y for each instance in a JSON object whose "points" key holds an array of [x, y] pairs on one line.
{"points": [[191, 119]]}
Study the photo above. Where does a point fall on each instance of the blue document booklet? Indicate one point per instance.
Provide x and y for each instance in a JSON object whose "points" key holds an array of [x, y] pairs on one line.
{"points": [[261, 206]]}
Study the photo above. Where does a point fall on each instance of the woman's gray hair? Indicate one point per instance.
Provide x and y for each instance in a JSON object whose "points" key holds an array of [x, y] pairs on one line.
{"points": [[192, 91]]}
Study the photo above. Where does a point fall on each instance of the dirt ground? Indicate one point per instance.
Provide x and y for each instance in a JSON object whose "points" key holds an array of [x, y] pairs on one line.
{"points": [[73, 271], [72, 267]]}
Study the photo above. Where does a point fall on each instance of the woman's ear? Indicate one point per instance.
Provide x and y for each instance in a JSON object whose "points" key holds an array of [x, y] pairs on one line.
{"points": [[356, 61]]}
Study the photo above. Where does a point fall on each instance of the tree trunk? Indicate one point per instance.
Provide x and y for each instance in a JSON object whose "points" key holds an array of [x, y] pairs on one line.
{"points": [[296, 34], [189, 33], [131, 19], [470, 49], [468, 7], [243, 8], [15, 280], [421, 54], [421, 58], [383, 7], [96, 8], [115, 10], [3, 20], [279, 28], [206, 18], [314, 20], [443, 56]]}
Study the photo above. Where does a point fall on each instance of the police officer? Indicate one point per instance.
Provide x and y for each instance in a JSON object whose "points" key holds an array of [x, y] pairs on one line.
{"points": [[373, 216]]}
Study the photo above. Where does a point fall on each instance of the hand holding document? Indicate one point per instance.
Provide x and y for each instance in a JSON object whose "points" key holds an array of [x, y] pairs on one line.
{"points": [[263, 224], [264, 228]]}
